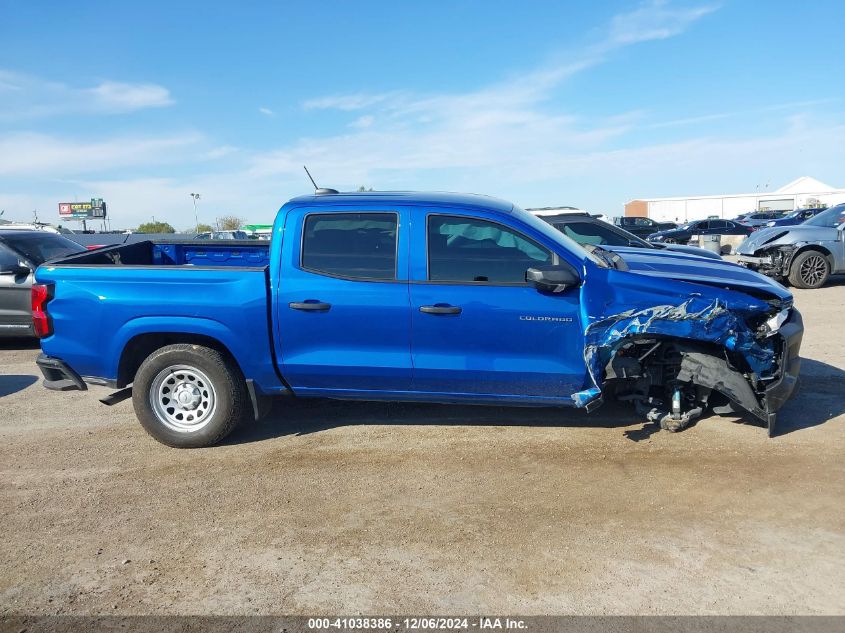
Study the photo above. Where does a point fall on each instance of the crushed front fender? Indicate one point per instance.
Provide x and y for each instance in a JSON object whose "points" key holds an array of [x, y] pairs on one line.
{"points": [[757, 371]]}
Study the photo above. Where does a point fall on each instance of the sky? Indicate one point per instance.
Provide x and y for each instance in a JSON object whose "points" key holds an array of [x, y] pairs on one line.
{"points": [[577, 103]]}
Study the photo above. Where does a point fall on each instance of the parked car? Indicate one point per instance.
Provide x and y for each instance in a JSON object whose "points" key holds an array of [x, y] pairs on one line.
{"points": [[222, 235], [39, 226], [642, 227], [589, 230], [21, 252], [683, 234], [796, 217], [805, 255], [422, 297], [760, 218]]}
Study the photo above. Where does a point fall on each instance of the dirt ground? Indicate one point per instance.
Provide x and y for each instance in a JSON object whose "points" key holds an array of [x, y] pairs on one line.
{"points": [[330, 507]]}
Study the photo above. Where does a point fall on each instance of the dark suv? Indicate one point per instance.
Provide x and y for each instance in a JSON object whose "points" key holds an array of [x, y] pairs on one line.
{"points": [[642, 227], [586, 230], [21, 252]]}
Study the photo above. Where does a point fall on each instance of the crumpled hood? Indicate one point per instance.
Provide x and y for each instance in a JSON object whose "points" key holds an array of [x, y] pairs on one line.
{"points": [[785, 235], [711, 272]]}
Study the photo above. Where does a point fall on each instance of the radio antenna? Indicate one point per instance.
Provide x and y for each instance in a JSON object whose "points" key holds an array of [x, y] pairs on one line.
{"points": [[318, 190], [310, 178]]}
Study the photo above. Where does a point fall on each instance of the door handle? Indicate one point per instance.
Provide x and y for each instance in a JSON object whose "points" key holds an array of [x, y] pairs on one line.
{"points": [[440, 308], [310, 305]]}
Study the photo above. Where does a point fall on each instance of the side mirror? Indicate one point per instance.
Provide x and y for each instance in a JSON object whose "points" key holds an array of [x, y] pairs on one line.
{"points": [[552, 278], [14, 269]]}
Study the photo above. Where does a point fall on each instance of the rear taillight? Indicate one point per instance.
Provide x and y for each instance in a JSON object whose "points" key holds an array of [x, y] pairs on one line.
{"points": [[41, 323]]}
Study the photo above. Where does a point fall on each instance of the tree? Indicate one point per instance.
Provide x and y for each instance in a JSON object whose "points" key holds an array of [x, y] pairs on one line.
{"points": [[155, 227], [230, 223], [201, 228], [363, 188]]}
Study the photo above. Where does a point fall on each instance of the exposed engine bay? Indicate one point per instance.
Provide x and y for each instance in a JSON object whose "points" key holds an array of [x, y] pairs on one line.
{"points": [[672, 382], [774, 261]]}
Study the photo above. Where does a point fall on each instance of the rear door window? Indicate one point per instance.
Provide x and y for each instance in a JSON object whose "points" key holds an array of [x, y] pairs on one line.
{"points": [[351, 245], [462, 249]]}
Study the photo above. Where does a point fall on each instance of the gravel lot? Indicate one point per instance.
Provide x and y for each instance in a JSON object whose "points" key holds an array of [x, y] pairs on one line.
{"points": [[347, 508]]}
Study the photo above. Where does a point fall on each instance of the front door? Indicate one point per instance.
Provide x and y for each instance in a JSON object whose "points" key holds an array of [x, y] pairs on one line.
{"points": [[477, 327], [342, 302]]}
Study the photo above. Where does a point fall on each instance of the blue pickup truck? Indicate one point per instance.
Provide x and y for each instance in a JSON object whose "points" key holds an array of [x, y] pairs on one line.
{"points": [[411, 297]]}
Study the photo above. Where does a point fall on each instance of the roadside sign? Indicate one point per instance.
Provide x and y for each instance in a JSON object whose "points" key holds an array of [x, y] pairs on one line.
{"points": [[94, 210]]}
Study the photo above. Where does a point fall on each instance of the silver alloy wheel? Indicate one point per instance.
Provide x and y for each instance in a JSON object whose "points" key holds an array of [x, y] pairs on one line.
{"points": [[183, 398], [813, 270]]}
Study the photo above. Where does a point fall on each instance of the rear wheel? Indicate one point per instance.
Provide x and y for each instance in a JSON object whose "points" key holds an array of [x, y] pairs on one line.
{"points": [[809, 270], [189, 396]]}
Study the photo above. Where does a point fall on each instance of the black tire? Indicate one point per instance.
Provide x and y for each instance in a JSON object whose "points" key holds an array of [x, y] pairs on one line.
{"points": [[670, 240], [186, 372], [809, 269]]}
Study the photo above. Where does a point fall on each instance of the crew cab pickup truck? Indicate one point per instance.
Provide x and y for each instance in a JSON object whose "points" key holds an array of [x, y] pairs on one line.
{"points": [[411, 297]]}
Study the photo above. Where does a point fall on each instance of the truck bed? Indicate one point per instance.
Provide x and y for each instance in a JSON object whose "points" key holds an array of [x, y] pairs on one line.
{"points": [[106, 299], [229, 253]]}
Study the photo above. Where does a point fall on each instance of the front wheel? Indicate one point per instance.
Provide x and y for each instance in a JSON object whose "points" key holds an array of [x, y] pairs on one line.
{"points": [[809, 270], [189, 396]]}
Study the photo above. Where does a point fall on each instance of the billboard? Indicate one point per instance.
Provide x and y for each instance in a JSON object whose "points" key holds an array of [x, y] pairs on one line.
{"points": [[94, 210]]}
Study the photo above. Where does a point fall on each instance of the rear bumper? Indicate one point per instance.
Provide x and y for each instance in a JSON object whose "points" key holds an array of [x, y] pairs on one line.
{"points": [[780, 391], [17, 330], [58, 375]]}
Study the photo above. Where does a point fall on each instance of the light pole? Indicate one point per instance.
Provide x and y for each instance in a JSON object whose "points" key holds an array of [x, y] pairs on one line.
{"points": [[196, 197]]}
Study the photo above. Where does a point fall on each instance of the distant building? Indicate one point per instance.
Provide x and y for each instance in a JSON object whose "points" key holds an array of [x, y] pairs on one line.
{"points": [[802, 192]]}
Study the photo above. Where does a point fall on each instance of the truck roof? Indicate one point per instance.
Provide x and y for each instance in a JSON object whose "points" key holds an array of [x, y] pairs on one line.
{"points": [[416, 198]]}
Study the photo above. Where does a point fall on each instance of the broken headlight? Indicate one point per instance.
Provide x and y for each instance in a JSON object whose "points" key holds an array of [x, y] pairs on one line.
{"points": [[772, 325]]}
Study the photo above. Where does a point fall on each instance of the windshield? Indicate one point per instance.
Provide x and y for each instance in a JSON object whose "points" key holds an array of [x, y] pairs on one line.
{"points": [[833, 217], [41, 247], [556, 236], [599, 233]]}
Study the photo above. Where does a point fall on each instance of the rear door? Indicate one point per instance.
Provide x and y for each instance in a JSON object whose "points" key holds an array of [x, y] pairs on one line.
{"points": [[716, 227], [342, 301], [15, 311], [477, 327], [734, 228]]}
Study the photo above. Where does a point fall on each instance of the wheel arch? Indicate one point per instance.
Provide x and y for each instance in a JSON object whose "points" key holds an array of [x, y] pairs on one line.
{"points": [[821, 249], [140, 342]]}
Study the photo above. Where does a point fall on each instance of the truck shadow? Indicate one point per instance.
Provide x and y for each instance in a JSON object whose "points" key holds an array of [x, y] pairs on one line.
{"points": [[820, 398], [14, 343], [304, 416], [12, 383], [818, 401]]}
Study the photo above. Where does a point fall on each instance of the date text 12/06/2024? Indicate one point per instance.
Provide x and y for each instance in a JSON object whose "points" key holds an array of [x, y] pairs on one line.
{"points": [[418, 623]]}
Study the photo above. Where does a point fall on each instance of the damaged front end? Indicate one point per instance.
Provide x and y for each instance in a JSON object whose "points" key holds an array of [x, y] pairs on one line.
{"points": [[672, 361], [772, 261]]}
